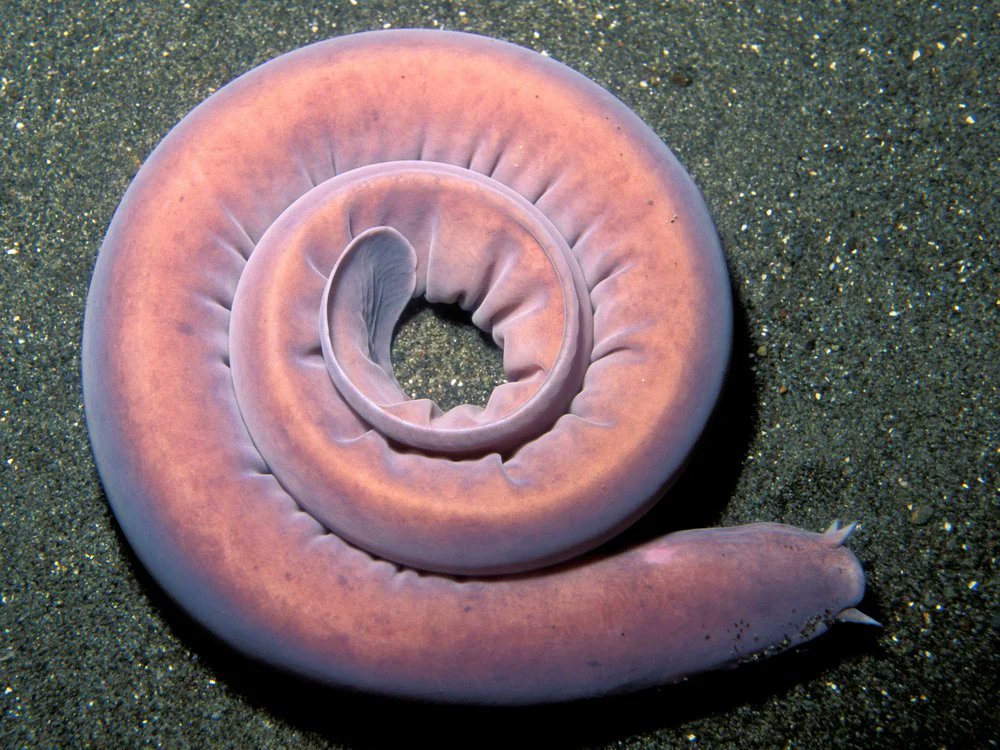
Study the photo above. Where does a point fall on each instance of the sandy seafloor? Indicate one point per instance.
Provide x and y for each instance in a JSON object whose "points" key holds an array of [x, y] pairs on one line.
{"points": [[848, 153]]}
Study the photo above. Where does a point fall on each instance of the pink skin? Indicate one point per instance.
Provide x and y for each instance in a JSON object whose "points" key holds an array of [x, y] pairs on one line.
{"points": [[253, 440]]}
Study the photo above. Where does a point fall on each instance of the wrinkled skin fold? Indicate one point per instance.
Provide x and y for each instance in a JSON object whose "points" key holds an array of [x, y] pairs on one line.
{"points": [[269, 471]]}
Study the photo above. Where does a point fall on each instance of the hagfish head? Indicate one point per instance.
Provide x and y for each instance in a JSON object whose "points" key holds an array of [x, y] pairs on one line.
{"points": [[741, 593], [802, 584]]}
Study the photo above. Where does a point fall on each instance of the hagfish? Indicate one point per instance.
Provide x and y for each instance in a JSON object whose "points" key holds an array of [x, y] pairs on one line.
{"points": [[270, 472]]}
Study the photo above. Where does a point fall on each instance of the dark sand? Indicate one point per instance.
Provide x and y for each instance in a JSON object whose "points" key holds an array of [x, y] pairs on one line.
{"points": [[849, 156]]}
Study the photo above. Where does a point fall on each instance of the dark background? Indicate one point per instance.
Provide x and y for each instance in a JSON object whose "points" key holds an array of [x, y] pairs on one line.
{"points": [[848, 152]]}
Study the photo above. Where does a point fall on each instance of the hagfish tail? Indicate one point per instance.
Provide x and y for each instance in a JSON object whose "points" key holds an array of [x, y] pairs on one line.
{"points": [[268, 469]]}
